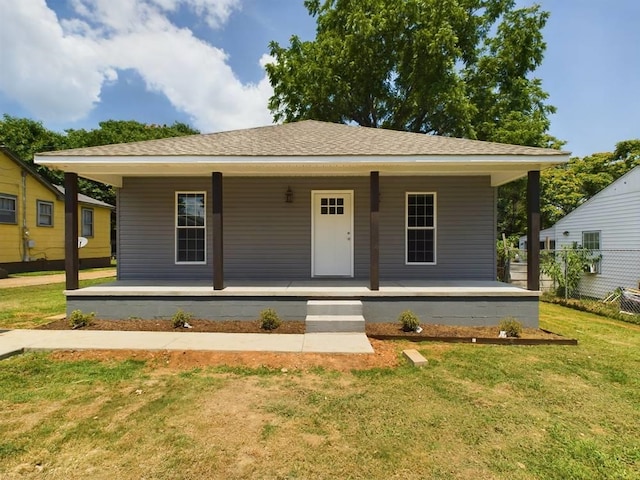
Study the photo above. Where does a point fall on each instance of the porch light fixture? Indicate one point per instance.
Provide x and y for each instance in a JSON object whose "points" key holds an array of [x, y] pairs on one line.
{"points": [[288, 195], [565, 233]]}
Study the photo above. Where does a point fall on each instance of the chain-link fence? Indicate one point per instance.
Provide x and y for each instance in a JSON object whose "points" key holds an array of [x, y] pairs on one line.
{"points": [[612, 276]]}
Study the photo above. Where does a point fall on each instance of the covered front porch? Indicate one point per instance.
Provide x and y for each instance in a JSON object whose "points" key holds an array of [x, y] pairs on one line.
{"points": [[452, 302], [389, 220]]}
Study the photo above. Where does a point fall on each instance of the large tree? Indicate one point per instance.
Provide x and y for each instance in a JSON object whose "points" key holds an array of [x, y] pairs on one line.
{"points": [[447, 67], [26, 137]]}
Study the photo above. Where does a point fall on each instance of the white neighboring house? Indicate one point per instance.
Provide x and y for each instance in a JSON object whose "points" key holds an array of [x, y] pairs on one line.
{"points": [[608, 222], [547, 233]]}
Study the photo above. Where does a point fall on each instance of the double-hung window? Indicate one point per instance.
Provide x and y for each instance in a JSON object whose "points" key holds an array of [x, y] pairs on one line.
{"points": [[8, 206], [591, 240], [45, 213], [421, 228], [87, 222], [191, 227]]}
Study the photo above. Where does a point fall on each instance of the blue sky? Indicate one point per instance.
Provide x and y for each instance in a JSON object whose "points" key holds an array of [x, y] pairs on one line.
{"points": [[73, 63]]}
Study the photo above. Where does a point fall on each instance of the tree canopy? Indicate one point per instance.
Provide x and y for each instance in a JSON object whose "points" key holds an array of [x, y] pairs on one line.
{"points": [[26, 137], [447, 67], [566, 187]]}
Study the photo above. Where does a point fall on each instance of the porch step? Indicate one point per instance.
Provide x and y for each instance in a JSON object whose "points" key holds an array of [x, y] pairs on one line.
{"points": [[334, 307], [334, 323], [325, 316]]}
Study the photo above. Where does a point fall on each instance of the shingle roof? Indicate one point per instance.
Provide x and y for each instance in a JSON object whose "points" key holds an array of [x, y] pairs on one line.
{"points": [[307, 138]]}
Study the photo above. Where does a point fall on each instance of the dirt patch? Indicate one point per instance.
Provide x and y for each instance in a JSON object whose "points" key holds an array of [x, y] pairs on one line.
{"points": [[386, 354]]}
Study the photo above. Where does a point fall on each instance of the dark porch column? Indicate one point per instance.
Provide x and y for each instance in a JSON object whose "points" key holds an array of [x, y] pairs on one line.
{"points": [[218, 238], [533, 230], [374, 231], [71, 259]]}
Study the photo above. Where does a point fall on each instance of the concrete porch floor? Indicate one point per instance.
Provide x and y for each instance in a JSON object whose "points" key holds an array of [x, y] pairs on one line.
{"points": [[307, 288]]}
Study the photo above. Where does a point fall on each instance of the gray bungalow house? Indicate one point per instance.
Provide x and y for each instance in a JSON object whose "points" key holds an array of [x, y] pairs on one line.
{"points": [[225, 224]]}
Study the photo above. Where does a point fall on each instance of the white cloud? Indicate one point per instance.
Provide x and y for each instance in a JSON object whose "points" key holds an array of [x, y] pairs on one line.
{"points": [[56, 69]]}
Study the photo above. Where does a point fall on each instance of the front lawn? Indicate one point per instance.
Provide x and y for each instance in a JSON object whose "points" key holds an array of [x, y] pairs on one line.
{"points": [[474, 412], [27, 307]]}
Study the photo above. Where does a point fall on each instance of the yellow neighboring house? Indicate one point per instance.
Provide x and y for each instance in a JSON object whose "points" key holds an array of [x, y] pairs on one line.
{"points": [[32, 221]]}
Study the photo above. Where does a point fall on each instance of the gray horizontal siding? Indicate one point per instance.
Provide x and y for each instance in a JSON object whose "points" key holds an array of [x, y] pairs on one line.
{"points": [[465, 241], [146, 229], [266, 238]]}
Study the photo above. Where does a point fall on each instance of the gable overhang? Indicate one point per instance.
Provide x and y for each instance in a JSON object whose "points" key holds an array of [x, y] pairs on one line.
{"points": [[26, 168], [112, 169]]}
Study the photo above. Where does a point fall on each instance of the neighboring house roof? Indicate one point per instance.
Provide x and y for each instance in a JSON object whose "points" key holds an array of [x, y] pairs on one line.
{"points": [[605, 191], [304, 148], [25, 166], [82, 198], [57, 190]]}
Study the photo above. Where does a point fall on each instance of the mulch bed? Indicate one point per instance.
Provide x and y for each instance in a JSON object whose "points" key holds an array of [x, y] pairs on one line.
{"points": [[166, 326], [373, 330]]}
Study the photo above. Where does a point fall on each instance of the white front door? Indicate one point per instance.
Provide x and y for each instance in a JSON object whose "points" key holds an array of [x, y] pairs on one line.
{"points": [[332, 233]]}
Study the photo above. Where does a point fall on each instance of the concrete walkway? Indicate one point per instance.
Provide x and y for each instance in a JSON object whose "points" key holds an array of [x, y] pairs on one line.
{"points": [[13, 342], [13, 282]]}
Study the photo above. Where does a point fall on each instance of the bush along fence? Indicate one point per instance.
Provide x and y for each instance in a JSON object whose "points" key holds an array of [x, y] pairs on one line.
{"points": [[603, 281]]}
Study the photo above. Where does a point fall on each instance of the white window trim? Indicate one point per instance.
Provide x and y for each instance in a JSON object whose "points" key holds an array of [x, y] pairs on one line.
{"points": [[598, 263], [434, 228], [93, 222], [38, 204], [175, 229], [9, 196], [599, 239]]}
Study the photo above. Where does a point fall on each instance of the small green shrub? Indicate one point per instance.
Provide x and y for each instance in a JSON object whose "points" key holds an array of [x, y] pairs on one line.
{"points": [[512, 326], [77, 319], [409, 321], [181, 319], [269, 319]]}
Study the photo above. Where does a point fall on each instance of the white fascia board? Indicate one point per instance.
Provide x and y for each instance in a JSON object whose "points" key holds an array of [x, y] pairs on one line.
{"points": [[220, 160], [502, 169]]}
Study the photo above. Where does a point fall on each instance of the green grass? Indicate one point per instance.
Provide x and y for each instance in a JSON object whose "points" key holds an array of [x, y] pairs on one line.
{"points": [[27, 307], [502, 412]]}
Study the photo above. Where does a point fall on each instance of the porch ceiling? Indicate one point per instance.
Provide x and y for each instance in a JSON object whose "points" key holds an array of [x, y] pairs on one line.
{"points": [[111, 170]]}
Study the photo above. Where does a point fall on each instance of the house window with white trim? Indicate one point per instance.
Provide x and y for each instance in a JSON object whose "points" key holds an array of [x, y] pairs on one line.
{"points": [[45, 213], [8, 210], [591, 240], [86, 228], [421, 228], [191, 227]]}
